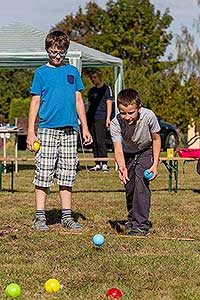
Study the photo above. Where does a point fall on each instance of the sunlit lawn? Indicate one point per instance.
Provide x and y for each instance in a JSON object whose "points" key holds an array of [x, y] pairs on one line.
{"points": [[164, 265]]}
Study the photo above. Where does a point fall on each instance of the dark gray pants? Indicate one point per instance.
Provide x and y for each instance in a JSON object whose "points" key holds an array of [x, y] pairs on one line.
{"points": [[98, 132], [137, 189]]}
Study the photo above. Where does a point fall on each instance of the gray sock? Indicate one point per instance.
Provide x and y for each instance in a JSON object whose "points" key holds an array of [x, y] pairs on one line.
{"points": [[66, 214], [40, 214]]}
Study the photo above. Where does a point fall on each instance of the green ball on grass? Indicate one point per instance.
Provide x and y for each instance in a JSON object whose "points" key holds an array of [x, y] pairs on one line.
{"points": [[13, 290]]}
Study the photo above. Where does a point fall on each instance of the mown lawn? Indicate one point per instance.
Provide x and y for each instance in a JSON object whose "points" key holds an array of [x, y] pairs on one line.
{"points": [[164, 265]]}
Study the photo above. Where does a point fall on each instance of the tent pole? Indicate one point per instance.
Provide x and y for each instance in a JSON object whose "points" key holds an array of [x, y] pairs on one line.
{"points": [[118, 75]]}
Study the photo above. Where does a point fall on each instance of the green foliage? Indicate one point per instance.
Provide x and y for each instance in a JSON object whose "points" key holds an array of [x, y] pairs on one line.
{"points": [[18, 108], [163, 93], [188, 55], [13, 84], [192, 99], [136, 31], [83, 27], [131, 30], [188, 69]]}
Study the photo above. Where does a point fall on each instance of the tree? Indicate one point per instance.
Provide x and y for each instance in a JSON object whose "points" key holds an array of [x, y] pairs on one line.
{"points": [[19, 107], [187, 51], [13, 84], [188, 56], [84, 27], [163, 93], [192, 99], [131, 30], [137, 33]]}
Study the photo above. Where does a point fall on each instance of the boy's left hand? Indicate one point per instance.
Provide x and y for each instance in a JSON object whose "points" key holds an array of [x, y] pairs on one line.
{"points": [[153, 169], [107, 123]]}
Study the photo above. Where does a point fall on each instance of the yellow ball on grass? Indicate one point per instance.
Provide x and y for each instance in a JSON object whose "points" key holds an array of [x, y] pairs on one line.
{"points": [[52, 285]]}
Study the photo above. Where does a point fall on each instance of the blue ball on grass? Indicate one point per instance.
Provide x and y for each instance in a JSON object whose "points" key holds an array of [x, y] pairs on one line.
{"points": [[98, 239]]}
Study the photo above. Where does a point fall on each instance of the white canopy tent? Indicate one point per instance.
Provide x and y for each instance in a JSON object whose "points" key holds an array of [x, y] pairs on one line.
{"points": [[22, 46]]}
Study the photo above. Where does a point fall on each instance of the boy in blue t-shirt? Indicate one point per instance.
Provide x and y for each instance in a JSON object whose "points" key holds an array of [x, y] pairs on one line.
{"points": [[56, 101]]}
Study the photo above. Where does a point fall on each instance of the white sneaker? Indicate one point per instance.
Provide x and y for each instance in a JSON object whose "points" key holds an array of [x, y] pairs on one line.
{"points": [[96, 168], [105, 168]]}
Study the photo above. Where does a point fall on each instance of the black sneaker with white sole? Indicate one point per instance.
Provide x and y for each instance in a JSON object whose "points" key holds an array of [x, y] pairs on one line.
{"points": [[105, 168], [136, 231], [95, 168]]}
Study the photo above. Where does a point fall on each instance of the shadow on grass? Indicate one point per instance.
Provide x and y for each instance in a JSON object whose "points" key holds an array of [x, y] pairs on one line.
{"points": [[159, 190], [99, 191], [56, 191], [54, 216], [26, 167], [117, 225], [196, 191]]}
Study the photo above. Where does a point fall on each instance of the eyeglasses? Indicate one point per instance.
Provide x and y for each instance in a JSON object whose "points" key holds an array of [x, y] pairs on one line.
{"points": [[55, 53], [123, 113]]}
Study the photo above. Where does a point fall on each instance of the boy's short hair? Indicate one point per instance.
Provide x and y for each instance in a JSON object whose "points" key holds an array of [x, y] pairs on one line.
{"points": [[127, 96], [57, 38], [96, 72]]}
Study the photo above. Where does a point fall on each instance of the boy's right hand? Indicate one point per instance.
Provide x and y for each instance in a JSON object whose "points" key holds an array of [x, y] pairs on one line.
{"points": [[87, 137], [123, 174], [31, 138]]}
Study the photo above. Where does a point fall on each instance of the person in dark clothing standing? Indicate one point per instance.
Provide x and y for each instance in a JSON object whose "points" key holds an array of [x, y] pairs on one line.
{"points": [[98, 117]]}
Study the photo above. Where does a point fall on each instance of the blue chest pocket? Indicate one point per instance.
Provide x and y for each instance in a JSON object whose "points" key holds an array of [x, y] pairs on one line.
{"points": [[70, 79]]}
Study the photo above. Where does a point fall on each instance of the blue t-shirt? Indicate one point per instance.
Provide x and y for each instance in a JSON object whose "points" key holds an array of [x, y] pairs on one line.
{"points": [[57, 88]]}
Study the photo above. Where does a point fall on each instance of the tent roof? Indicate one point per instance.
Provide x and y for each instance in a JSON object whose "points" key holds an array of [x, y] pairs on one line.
{"points": [[23, 46]]}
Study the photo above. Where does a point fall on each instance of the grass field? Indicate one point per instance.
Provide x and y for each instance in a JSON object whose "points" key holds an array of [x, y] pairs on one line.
{"points": [[164, 265]]}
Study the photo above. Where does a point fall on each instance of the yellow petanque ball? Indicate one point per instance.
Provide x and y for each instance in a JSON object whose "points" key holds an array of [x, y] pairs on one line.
{"points": [[36, 146], [52, 285]]}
